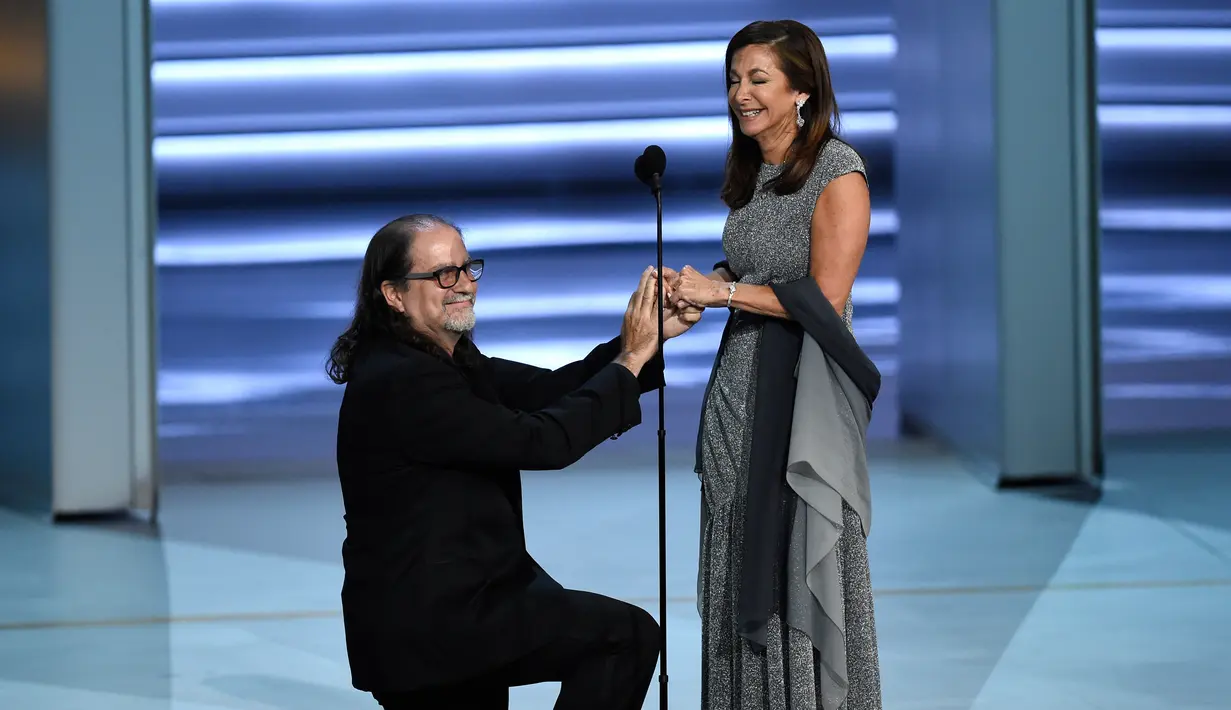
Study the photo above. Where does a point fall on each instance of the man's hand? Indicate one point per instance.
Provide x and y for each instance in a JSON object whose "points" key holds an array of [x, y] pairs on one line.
{"points": [[639, 334]]}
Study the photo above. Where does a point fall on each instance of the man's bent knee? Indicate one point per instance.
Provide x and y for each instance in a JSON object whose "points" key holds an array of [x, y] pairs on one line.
{"points": [[648, 639], [646, 629]]}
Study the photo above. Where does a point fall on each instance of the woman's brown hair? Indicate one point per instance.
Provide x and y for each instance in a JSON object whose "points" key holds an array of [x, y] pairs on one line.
{"points": [[801, 57]]}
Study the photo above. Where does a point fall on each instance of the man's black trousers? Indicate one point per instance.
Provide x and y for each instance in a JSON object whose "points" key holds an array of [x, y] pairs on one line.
{"points": [[604, 657]]}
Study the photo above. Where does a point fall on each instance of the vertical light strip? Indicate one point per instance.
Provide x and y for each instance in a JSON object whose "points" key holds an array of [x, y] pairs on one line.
{"points": [[142, 298], [1086, 228]]}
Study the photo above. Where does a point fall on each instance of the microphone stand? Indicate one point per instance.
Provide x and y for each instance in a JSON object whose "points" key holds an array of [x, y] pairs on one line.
{"points": [[649, 168], [656, 189]]}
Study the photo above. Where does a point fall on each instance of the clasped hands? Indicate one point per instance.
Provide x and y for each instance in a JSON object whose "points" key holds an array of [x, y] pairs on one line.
{"points": [[687, 293], [685, 297], [678, 315], [682, 306]]}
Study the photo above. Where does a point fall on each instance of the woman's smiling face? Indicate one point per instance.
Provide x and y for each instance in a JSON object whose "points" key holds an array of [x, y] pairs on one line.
{"points": [[760, 94]]}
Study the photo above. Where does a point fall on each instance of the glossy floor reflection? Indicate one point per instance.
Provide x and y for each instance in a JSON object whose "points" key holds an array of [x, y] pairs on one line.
{"points": [[984, 599]]}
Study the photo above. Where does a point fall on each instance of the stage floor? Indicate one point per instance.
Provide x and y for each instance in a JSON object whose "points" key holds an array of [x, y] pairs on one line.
{"points": [[985, 599]]}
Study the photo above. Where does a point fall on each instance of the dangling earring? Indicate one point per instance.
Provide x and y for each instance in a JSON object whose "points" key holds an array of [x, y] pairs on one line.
{"points": [[799, 116]]}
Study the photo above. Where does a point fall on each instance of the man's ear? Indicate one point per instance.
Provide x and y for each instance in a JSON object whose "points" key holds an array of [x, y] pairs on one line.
{"points": [[390, 291]]}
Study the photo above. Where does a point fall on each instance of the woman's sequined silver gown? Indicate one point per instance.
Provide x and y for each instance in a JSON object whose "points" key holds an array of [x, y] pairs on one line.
{"points": [[767, 241]]}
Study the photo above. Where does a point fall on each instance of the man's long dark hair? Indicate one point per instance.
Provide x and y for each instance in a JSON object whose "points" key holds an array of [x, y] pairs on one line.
{"points": [[387, 259], [801, 57]]}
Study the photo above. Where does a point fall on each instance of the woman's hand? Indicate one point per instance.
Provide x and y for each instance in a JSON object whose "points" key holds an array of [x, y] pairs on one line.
{"points": [[693, 288], [678, 318]]}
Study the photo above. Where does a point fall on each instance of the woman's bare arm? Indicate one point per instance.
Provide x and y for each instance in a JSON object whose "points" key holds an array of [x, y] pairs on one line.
{"points": [[840, 225]]}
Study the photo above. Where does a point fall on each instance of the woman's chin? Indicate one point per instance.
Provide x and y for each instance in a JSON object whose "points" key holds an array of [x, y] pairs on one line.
{"points": [[752, 129]]}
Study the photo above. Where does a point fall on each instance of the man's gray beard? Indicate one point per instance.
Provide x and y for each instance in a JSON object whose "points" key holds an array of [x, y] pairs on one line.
{"points": [[460, 322]]}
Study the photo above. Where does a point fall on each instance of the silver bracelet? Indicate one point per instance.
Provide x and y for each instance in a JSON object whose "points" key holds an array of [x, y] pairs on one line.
{"points": [[730, 293]]}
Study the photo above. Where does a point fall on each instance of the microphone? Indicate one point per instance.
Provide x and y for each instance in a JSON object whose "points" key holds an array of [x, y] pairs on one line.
{"points": [[649, 168]]}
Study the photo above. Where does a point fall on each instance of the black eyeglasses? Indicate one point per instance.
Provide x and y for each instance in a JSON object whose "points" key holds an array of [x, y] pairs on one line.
{"points": [[447, 276]]}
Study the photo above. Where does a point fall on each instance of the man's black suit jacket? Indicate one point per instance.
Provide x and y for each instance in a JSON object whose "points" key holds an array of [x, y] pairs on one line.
{"points": [[437, 577]]}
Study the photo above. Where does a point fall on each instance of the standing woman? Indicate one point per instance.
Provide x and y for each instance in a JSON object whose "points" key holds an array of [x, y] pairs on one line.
{"points": [[783, 588]]}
